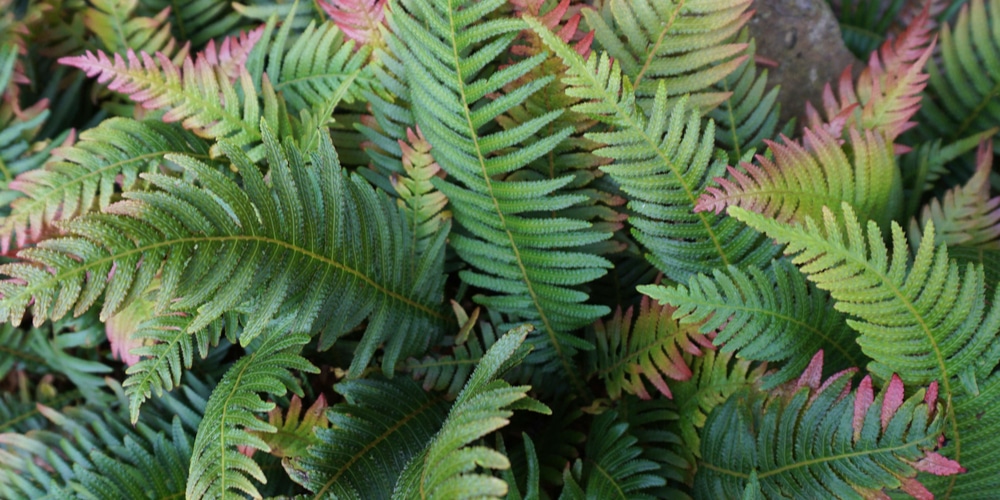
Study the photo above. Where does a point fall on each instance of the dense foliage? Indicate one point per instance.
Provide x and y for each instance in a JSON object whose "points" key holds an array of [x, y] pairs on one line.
{"points": [[494, 249]]}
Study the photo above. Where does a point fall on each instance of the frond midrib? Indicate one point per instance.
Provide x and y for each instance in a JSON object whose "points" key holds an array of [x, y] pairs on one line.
{"points": [[659, 41], [568, 367], [56, 278], [819, 460]]}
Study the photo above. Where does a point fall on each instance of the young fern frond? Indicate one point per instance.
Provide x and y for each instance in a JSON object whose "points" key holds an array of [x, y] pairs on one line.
{"points": [[888, 90], [749, 115], [613, 467], [803, 442], [358, 19], [200, 93], [374, 433], [292, 244], [966, 216], [84, 177], [218, 469], [681, 44], [532, 261], [424, 205], [651, 348], [662, 160], [802, 179], [769, 314]]}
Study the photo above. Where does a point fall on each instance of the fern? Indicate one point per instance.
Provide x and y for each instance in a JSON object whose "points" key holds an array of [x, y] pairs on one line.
{"points": [[502, 218], [218, 469], [823, 441], [449, 465], [748, 116], [650, 348], [196, 20], [679, 44], [662, 161], [118, 28], [964, 84], [373, 435], [272, 232], [613, 468], [84, 177], [358, 19], [191, 93], [803, 179], [966, 216], [764, 315]]}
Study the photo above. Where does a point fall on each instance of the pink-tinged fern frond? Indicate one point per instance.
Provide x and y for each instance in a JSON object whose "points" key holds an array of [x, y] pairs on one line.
{"points": [[122, 327], [796, 440], [563, 20], [967, 216], [802, 179], [888, 91], [651, 348], [358, 19], [423, 204], [199, 93]]}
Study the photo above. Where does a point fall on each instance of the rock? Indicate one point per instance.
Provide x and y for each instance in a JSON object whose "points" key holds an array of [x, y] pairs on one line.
{"points": [[803, 37]]}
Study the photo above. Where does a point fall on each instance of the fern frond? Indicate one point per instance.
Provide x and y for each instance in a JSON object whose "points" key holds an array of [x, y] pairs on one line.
{"points": [[864, 24], [683, 45], [612, 467], [966, 216], [803, 442], [424, 205], [802, 179], [650, 348], [963, 86], [99, 456], [888, 90], [197, 21], [119, 28], [924, 323], [449, 467], [85, 177], [663, 159], [654, 423], [218, 469], [292, 244], [296, 431], [311, 71], [932, 160], [533, 262], [749, 116], [716, 376], [200, 94], [769, 314], [358, 19], [375, 432]]}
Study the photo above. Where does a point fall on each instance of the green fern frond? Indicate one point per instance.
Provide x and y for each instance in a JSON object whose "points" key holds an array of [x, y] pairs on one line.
{"points": [[654, 422], [804, 443], [681, 44], [450, 467], [374, 433], [864, 24], [663, 160], [748, 116], [803, 179], [291, 244], [197, 21], [424, 205], [532, 261], [612, 467], [119, 28], [924, 321], [310, 71], [650, 348], [963, 86], [297, 14], [716, 376], [966, 216], [99, 456], [218, 469], [85, 176], [770, 314], [930, 161]]}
